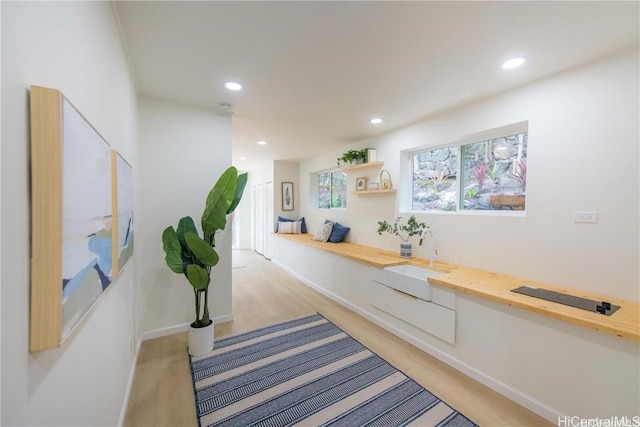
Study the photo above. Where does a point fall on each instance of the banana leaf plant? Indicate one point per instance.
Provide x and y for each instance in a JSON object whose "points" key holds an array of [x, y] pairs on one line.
{"points": [[194, 256]]}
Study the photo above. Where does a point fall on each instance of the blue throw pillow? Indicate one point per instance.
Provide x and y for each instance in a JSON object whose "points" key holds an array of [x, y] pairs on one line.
{"points": [[338, 233], [303, 229]]}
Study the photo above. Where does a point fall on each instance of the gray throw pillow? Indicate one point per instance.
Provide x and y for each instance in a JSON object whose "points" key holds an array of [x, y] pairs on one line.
{"points": [[322, 235]]}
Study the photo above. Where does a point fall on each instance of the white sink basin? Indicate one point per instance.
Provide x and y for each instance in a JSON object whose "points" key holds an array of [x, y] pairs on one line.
{"points": [[410, 280]]}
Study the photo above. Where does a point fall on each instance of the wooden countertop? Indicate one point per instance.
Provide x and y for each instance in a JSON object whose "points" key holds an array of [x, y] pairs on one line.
{"points": [[367, 254], [624, 323]]}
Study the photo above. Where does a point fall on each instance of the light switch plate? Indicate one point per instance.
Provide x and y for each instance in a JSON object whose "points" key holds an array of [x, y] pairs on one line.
{"points": [[585, 217]]}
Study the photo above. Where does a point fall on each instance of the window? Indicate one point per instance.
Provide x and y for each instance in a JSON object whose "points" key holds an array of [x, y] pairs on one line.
{"points": [[435, 184], [332, 190], [485, 175], [495, 173]]}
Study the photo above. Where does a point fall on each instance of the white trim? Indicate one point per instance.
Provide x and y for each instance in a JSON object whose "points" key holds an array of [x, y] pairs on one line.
{"points": [[127, 391], [170, 330], [497, 132], [156, 333], [224, 318], [163, 332], [517, 396], [470, 212]]}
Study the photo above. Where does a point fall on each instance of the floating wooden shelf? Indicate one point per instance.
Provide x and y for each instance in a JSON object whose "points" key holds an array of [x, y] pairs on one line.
{"points": [[363, 166], [363, 192]]}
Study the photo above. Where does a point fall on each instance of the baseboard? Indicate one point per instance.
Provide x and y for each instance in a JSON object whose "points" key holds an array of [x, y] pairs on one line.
{"points": [[223, 319], [163, 332], [511, 393], [156, 333], [127, 391], [170, 330]]}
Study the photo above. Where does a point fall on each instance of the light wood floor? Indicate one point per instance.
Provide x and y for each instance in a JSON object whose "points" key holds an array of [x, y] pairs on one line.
{"points": [[162, 392]]}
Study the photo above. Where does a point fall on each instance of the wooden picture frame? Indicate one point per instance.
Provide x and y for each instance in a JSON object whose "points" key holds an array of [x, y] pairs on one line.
{"points": [[122, 224], [287, 196], [361, 183], [74, 216]]}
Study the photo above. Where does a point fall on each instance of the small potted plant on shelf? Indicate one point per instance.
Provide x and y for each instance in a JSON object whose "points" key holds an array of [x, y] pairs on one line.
{"points": [[404, 231], [194, 256], [353, 157]]}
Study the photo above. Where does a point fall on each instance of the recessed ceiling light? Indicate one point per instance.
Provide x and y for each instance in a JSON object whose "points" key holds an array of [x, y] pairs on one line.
{"points": [[262, 142], [513, 63], [233, 86], [243, 158], [376, 121]]}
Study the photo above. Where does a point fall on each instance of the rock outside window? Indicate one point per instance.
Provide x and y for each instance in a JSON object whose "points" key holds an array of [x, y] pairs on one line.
{"points": [[483, 175]]}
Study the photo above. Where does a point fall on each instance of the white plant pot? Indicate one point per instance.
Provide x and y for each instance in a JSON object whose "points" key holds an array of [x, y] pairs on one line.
{"points": [[201, 340]]}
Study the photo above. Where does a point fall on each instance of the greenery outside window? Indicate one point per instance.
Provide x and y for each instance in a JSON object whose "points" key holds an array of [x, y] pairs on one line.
{"points": [[495, 173], [332, 190], [488, 175], [435, 184]]}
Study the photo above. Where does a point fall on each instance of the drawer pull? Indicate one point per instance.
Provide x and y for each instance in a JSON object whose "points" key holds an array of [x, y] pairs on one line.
{"points": [[405, 294]]}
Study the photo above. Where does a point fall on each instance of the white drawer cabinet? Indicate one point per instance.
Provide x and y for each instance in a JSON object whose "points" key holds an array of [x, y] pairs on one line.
{"points": [[443, 296], [430, 317]]}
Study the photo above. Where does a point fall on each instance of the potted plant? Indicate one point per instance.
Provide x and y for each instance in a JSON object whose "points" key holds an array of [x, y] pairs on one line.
{"points": [[194, 256], [404, 231], [353, 157]]}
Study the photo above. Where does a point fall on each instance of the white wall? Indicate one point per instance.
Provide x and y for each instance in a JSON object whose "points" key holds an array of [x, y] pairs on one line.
{"points": [[76, 48], [243, 211], [275, 172], [183, 152], [262, 172], [582, 156], [285, 171]]}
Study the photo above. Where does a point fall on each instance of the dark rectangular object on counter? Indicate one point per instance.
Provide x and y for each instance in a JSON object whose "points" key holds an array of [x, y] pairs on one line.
{"points": [[601, 307]]}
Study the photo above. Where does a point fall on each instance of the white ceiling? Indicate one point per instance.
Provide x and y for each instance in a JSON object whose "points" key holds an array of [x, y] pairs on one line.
{"points": [[314, 73]]}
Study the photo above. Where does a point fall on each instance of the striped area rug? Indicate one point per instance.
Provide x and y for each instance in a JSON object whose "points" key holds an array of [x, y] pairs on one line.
{"points": [[308, 372]]}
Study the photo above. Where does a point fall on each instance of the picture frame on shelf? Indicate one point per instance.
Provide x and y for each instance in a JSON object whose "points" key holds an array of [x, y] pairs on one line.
{"points": [[287, 196], [361, 183]]}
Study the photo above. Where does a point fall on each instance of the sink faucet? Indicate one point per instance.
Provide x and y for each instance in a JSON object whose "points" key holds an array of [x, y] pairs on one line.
{"points": [[433, 252]]}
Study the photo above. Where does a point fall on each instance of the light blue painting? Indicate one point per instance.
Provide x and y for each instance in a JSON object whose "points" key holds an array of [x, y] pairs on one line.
{"points": [[87, 208], [125, 211]]}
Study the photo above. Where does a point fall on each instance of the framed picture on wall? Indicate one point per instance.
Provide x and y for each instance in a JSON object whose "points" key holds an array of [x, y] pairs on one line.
{"points": [[122, 217], [287, 196], [361, 183], [81, 217]]}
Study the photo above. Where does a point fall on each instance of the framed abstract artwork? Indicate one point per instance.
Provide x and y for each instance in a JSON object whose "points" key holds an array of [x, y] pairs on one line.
{"points": [[74, 217], [122, 211], [287, 196]]}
